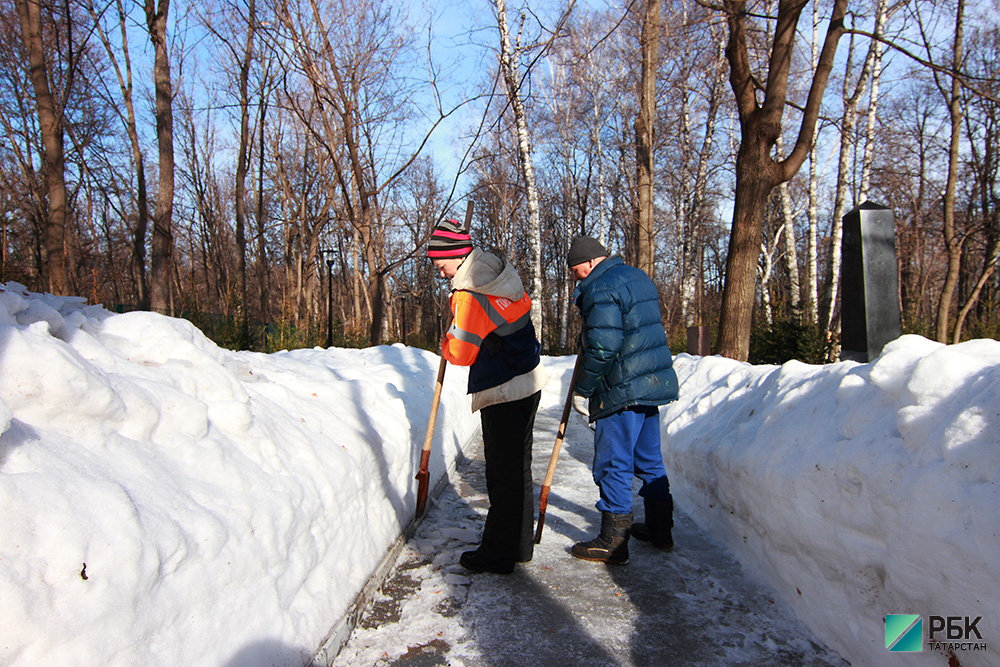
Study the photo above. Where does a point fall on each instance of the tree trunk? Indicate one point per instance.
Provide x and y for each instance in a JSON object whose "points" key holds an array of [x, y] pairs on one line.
{"points": [[649, 42], [53, 158], [263, 269], [791, 250], [290, 230], [812, 210], [992, 257], [159, 293], [754, 182], [511, 76], [869, 151], [756, 172], [952, 242], [848, 123], [138, 260], [242, 166], [601, 216], [356, 279], [765, 268]]}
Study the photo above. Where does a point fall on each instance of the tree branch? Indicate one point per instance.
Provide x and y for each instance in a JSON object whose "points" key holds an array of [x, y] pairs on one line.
{"points": [[824, 66], [963, 77]]}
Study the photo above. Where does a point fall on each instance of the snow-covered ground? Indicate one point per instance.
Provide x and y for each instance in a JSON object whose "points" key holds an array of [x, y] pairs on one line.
{"points": [[167, 502]]}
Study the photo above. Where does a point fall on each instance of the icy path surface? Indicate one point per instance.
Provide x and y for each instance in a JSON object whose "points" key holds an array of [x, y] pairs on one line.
{"points": [[690, 606]]}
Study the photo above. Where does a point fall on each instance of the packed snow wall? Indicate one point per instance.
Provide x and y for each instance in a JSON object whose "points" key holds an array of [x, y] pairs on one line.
{"points": [[855, 490]]}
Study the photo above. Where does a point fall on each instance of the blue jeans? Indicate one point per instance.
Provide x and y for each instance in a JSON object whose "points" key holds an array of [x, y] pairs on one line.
{"points": [[627, 444]]}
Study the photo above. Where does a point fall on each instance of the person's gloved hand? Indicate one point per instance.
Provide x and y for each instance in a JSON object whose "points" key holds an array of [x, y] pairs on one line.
{"points": [[582, 405]]}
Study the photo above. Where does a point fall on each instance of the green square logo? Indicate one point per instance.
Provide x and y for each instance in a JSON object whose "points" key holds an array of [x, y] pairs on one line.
{"points": [[904, 633]]}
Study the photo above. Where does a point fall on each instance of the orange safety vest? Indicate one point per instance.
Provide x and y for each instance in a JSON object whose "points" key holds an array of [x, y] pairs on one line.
{"points": [[476, 316]]}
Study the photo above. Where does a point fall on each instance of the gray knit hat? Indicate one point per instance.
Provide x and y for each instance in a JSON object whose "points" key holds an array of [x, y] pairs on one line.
{"points": [[583, 249]]}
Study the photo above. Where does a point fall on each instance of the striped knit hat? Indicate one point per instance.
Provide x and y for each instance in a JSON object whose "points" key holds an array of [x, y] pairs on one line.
{"points": [[449, 241]]}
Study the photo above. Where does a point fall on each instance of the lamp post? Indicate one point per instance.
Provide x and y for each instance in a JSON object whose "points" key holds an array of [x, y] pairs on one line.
{"points": [[403, 332], [328, 258]]}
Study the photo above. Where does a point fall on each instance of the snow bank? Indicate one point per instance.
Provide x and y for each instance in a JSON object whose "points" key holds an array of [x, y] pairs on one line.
{"points": [[168, 502], [856, 490]]}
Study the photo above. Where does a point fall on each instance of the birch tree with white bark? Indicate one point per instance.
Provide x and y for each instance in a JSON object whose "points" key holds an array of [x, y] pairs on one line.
{"points": [[852, 96], [511, 73], [693, 211]]}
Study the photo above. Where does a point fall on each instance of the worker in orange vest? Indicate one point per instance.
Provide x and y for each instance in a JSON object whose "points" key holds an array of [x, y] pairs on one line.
{"points": [[492, 334]]}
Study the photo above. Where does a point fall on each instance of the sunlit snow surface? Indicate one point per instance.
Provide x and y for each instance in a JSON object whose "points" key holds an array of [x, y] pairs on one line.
{"points": [[857, 490], [168, 502]]}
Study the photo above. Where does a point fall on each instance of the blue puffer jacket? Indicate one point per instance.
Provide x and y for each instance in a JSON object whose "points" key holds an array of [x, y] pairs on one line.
{"points": [[626, 360]]}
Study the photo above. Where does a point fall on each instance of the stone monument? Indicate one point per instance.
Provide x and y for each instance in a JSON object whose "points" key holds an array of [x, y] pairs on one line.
{"points": [[869, 286]]}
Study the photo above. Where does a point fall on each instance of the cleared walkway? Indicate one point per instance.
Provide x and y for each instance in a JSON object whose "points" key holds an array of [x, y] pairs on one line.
{"points": [[693, 605]]}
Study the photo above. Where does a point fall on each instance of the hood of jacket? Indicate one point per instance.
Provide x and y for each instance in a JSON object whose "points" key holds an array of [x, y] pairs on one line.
{"points": [[485, 273]]}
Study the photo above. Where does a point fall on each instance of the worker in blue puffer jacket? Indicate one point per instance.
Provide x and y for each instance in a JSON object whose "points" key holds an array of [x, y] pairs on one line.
{"points": [[626, 371]]}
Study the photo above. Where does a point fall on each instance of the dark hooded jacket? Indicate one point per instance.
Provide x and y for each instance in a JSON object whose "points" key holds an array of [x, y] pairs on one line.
{"points": [[626, 360]]}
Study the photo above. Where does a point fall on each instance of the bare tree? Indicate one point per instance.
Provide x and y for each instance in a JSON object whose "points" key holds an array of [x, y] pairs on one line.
{"points": [[649, 44], [562, 107], [906, 179], [869, 147], [983, 132], [242, 166], [235, 25], [160, 296], [300, 182], [696, 51], [791, 249], [50, 126], [571, 150], [355, 98], [757, 172], [851, 98], [123, 73], [209, 236], [509, 68], [953, 242], [812, 208]]}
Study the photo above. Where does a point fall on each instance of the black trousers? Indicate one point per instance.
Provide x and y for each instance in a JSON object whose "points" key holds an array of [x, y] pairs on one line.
{"points": [[507, 440]]}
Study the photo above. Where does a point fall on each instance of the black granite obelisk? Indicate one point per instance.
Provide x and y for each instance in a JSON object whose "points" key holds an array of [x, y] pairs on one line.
{"points": [[869, 301]]}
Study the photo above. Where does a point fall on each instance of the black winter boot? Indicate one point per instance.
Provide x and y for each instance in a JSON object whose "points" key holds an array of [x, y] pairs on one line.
{"points": [[659, 521], [477, 561], [611, 546]]}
